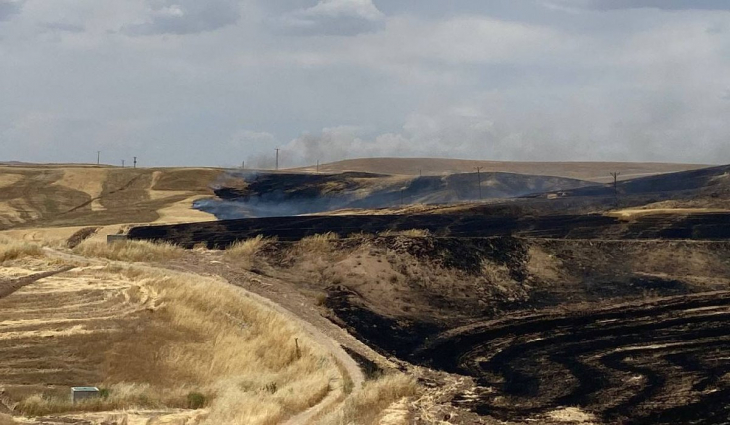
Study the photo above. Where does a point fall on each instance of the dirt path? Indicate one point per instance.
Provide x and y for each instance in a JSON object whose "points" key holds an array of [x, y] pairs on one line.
{"points": [[351, 369]]}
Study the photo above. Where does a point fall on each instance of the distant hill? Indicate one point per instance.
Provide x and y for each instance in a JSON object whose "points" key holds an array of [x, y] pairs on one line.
{"points": [[713, 181], [71, 195], [591, 171], [278, 194]]}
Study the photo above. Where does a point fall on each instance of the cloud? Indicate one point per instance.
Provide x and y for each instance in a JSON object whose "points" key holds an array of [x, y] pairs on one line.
{"points": [[639, 4], [62, 27], [8, 8], [333, 17], [186, 17]]}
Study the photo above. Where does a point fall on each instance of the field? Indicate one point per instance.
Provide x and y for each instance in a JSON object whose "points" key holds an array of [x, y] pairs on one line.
{"points": [[67, 196], [174, 347], [406, 299]]}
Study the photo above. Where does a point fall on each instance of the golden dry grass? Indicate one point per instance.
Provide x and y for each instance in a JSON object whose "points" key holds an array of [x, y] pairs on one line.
{"points": [[12, 249], [132, 251], [365, 406], [71, 195], [247, 253], [6, 420], [151, 339], [317, 244]]}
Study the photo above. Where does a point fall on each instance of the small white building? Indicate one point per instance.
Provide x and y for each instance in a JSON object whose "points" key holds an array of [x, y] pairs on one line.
{"points": [[84, 393]]}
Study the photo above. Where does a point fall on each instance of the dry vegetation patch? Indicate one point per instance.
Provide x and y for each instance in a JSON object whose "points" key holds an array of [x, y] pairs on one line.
{"points": [[132, 251], [157, 340], [367, 405], [248, 253], [12, 249]]}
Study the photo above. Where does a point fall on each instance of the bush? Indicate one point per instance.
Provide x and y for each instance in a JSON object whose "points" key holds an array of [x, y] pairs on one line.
{"points": [[80, 236], [196, 400]]}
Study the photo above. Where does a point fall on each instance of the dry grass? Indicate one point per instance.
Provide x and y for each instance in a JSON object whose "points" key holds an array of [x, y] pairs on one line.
{"points": [[317, 244], [247, 253], [12, 249], [6, 420], [411, 233], [132, 251], [154, 337], [365, 406]]}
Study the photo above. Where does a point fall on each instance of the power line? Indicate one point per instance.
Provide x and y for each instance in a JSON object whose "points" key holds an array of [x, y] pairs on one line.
{"points": [[479, 176], [615, 187]]}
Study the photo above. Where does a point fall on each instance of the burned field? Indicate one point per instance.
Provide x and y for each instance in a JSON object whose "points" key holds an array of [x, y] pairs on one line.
{"points": [[659, 362], [624, 321]]}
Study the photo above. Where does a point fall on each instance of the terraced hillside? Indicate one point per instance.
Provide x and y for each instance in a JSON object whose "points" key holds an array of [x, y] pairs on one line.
{"points": [[41, 196]]}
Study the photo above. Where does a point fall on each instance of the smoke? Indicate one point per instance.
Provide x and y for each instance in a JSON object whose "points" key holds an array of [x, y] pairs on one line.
{"points": [[448, 136]]}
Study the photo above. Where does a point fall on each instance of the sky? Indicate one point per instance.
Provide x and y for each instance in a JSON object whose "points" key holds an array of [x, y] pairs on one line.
{"points": [[218, 82]]}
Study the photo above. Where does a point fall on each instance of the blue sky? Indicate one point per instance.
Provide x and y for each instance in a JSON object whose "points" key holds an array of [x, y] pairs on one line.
{"points": [[185, 82]]}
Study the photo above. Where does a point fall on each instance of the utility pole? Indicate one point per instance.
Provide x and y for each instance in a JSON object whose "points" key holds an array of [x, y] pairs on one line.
{"points": [[98, 157], [135, 162], [420, 173], [317, 166], [479, 176], [615, 187], [277, 159], [243, 165], [122, 163]]}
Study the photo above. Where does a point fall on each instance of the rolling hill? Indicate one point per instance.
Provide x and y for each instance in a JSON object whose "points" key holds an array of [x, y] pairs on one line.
{"points": [[591, 171], [55, 195]]}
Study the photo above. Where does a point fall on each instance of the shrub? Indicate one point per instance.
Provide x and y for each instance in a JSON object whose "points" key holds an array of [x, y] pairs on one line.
{"points": [[196, 400], [81, 236]]}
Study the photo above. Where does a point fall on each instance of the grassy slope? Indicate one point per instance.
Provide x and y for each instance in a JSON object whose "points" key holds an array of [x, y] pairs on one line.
{"points": [[151, 337], [592, 171], [45, 196]]}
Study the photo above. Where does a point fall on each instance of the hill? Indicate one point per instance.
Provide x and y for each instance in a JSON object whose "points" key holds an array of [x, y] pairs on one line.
{"points": [[704, 188], [592, 171], [45, 196], [254, 194]]}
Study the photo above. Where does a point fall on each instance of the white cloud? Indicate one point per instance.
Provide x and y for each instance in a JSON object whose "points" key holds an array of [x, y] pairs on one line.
{"points": [[638, 4], [333, 17], [186, 17]]}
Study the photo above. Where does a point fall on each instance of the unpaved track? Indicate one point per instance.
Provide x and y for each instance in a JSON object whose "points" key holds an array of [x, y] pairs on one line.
{"points": [[350, 366]]}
